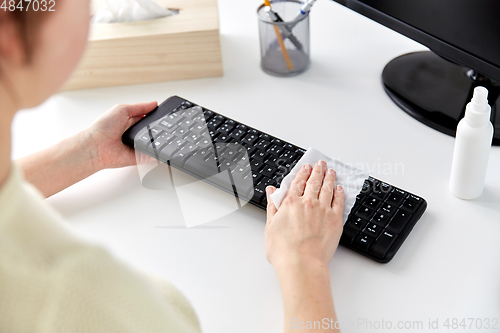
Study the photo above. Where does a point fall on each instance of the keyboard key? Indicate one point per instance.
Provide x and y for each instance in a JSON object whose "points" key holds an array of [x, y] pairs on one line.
{"points": [[275, 150], [380, 190], [198, 128], [349, 234], [243, 159], [360, 198], [237, 134], [158, 144], [242, 127], [226, 164], [259, 191], [300, 151], [388, 209], [143, 140], [155, 131], [383, 244], [365, 213], [200, 166], [181, 132], [270, 182], [288, 155], [263, 144], [169, 151], [219, 117], [168, 125], [193, 112], [204, 143], [263, 181], [186, 123], [243, 183], [381, 219], [225, 129], [222, 138], [410, 205], [183, 154], [385, 188], [363, 242], [372, 229], [268, 171], [249, 139], [256, 165], [399, 221], [400, 192], [265, 136], [367, 187], [353, 211], [174, 116], [260, 155], [231, 122], [213, 124], [230, 153], [252, 131], [193, 137], [219, 147], [356, 222], [277, 142], [395, 199], [272, 160], [372, 202], [213, 159], [256, 177], [250, 150], [417, 199]]}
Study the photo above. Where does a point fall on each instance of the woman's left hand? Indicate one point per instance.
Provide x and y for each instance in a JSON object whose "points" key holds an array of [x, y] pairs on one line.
{"points": [[98, 147], [106, 132]]}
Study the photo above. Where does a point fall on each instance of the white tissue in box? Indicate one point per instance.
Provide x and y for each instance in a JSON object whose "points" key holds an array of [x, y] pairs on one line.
{"points": [[349, 177], [112, 11]]}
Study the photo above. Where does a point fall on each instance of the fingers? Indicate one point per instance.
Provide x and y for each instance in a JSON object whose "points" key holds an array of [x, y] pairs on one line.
{"points": [[338, 201], [298, 185], [271, 208], [140, 109], [316, 180], [326, 193]]}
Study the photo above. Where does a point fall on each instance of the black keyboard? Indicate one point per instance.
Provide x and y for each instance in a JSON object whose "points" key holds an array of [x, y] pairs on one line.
{"points": [[243, 161]]}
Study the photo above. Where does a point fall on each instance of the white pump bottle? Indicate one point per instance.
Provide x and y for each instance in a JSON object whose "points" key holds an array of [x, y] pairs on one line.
{"points": [[472, 148]]}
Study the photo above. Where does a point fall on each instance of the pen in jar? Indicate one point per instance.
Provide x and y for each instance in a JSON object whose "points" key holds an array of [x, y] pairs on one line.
{"points": [[286, 31]]}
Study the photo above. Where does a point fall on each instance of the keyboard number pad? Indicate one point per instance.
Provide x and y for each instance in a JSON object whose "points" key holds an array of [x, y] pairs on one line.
{"points": [[380, 214]]}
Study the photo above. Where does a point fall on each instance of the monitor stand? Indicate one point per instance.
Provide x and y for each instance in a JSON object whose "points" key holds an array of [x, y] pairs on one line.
{"points": [[435, 91]]}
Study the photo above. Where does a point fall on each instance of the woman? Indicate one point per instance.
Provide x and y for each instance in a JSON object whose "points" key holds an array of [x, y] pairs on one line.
{"points": [[50, 281]]}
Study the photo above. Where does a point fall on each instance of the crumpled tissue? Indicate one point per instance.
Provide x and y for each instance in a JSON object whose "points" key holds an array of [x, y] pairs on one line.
{"points": [[349, 177], [113, 11]]}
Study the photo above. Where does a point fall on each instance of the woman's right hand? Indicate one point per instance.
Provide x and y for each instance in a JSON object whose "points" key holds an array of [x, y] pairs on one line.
{"points": [[307, 227]]}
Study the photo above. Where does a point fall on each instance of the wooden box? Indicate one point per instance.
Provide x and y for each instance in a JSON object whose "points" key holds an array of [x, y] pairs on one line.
{"points": [[183, 46]]}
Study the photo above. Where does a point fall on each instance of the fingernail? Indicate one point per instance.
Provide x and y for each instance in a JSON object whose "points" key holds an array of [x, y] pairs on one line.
{"points": [[269, 190], [339, 188], [331, 171], [322, 163], [308, 167]]}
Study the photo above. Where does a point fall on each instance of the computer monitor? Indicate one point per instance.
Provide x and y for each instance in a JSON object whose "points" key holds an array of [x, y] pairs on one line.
{"points": [[464, 37]]}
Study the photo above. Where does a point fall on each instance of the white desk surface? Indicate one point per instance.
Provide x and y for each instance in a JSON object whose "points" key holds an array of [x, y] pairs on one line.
{"points": [[449, 267]]}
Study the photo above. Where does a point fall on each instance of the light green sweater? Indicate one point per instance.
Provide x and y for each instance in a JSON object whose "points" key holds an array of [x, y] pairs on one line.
{"points": [[51, 281]]}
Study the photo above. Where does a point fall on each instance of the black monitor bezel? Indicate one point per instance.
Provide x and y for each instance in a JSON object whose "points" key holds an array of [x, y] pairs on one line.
{"points": [[436, 45]]}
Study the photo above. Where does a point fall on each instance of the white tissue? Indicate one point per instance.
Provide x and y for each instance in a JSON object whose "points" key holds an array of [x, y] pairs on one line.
{"points": [[112, 11], [349, 177]]}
